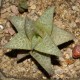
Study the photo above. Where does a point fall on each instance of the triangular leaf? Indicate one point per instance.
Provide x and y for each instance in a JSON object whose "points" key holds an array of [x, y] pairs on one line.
{"points": [[60, 36], [43, 60], [19, 41], [48, 47], [44, 23], [18, 22]]}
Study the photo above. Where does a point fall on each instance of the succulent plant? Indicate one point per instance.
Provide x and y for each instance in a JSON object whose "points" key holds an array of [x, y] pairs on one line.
{"points": [[22, 6], [41, 37]]}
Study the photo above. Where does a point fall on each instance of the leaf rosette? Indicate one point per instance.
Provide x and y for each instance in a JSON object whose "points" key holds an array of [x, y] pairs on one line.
{"points": [[41, 37]]}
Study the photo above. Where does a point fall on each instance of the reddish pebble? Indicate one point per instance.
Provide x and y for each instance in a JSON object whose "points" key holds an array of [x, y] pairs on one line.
{"points": [[76, 52]]}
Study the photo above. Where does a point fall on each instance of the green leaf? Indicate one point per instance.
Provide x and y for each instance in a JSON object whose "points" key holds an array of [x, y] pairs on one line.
{"points": [[43, 60], [60, 36], [18, 22], [35, 40], [19, 41], [48, 47], [29, 28], [44, 23]]}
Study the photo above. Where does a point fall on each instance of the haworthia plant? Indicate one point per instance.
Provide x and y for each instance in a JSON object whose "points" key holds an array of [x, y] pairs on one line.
{"points": [[40, 38], [22, 7]]}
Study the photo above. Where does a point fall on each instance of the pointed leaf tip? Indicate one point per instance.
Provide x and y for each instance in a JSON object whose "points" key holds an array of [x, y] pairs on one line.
{"points": [[44, 23], [18, 22], [43, 60], [19, 41], [60, 36]]}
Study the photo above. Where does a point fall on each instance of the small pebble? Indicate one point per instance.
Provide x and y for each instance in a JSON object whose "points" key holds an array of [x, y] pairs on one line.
{"points": [[44, 77], [33, 7], [1, 27], [69, 61], [75, 8], [14, 9], [8, 24], [5, 15], [3, 41], [10, 31]]}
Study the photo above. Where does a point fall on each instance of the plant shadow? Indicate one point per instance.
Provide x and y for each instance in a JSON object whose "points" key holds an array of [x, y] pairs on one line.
{"points": [[15, 52], [64, 45], [54, 59]]}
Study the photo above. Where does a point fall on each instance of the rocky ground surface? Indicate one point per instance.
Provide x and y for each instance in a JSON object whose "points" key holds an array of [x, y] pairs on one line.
{"points": [[67, 17]]}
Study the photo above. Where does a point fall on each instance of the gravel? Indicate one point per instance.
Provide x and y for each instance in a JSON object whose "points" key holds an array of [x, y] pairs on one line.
{"points": [[67, 17]]}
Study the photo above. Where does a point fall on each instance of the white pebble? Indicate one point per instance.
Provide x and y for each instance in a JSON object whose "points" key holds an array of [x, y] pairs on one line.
{"points": [[1, 27]]}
